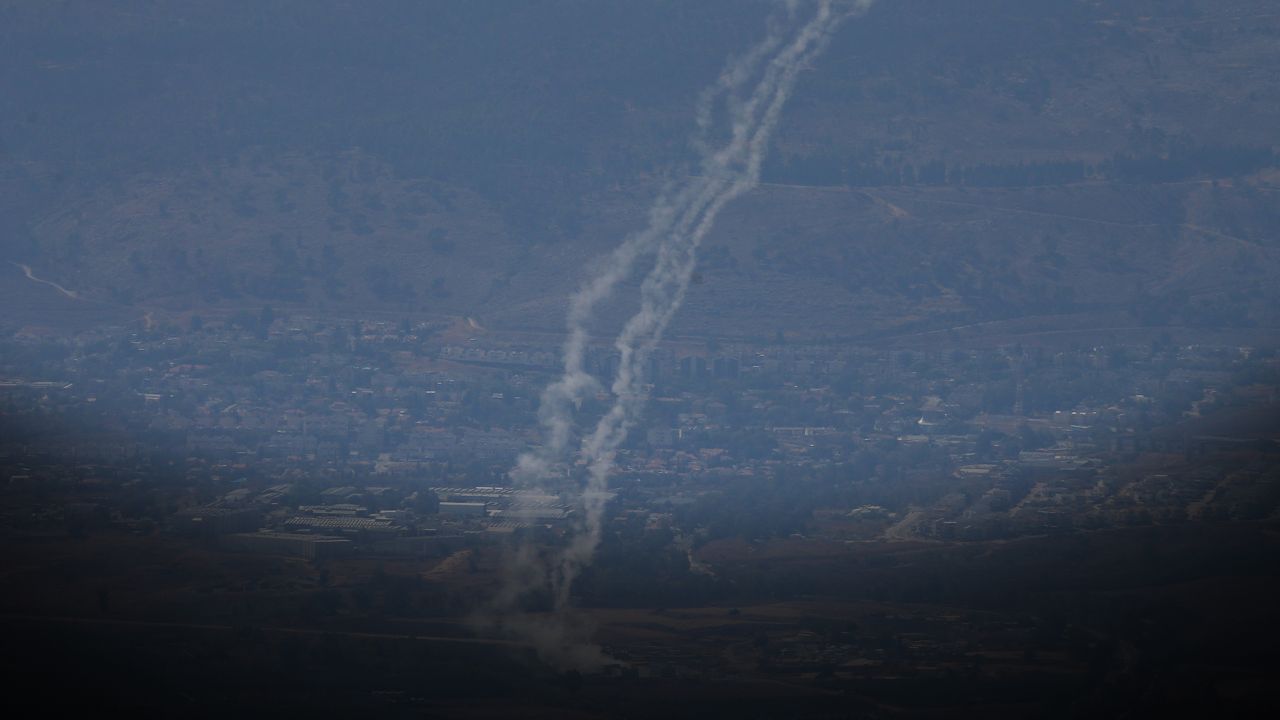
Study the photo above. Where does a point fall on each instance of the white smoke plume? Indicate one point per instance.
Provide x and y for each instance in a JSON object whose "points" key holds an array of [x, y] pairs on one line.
{"points": [[678, 221]]}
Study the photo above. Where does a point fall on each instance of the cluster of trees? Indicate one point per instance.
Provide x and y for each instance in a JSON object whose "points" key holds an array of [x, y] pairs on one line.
{"points": [[1183, 161], [634, 567], [783, 503], [1180, 160]]}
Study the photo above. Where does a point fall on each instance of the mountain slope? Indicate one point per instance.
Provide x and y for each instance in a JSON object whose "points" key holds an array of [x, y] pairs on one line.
{"points": [[940, 165]]}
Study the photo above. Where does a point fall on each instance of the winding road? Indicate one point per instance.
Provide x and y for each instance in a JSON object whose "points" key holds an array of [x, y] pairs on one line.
{"points": [[26, 270]]}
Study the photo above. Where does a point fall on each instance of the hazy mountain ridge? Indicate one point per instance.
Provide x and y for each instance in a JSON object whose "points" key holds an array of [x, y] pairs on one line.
{"points": [[1031, 158]]}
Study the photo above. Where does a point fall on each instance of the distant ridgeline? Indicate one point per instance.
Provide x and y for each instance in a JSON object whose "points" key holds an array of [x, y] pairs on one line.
{"points": [[1181, 160]]}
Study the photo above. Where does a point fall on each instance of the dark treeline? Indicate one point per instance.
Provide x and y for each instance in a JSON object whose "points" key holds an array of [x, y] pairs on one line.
{"points": [[1180, 162], [1183, 162]]}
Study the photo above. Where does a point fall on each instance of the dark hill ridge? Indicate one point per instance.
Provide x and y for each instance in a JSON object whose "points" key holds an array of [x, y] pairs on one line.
{"points": [[941, 165]]}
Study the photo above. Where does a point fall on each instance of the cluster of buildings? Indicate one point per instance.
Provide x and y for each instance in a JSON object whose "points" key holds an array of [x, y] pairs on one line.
{"points": [[372, 520], [331, 436]]}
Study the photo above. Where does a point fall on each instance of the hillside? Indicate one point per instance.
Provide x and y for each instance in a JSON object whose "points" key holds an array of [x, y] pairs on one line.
{"points": [[942, 165]]}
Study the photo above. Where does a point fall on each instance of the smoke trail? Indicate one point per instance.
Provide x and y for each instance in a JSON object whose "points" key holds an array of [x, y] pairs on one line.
{"points": [[575, 384], [678, 222]]}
